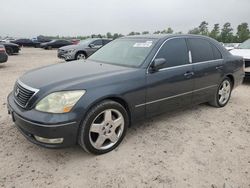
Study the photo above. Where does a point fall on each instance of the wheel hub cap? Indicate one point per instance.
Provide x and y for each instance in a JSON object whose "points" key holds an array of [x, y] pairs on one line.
{"points": [[224, 92], [106, 129]]}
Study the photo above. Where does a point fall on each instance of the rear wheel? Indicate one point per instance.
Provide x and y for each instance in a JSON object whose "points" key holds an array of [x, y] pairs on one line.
{"points": [[223, 93], [104, 127], [9, 51]]}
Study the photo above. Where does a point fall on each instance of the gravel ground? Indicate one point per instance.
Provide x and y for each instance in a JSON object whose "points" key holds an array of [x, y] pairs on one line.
{"points": [[196, 147]]}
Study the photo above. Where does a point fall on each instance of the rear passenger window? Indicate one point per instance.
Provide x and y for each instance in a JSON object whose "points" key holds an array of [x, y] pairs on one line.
{"points": [[201, 50], [217, 54], [175, 52]]}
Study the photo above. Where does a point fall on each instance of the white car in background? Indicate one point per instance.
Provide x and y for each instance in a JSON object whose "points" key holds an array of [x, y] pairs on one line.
{"points": [[231, 46], [244, 51]]}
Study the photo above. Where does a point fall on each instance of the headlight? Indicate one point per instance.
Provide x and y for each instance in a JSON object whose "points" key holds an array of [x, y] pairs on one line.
{"points": [[71, 50], [59, 102]]}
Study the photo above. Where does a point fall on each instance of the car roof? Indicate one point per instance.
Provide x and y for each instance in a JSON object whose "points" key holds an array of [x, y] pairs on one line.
{"points": [[163, 36]]}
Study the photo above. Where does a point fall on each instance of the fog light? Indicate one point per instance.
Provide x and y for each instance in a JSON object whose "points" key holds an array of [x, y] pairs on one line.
{"points": [[49, 141]]}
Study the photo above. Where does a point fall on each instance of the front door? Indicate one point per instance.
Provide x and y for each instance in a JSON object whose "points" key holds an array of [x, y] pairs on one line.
{"points": [[170, 87], [94, 46]]}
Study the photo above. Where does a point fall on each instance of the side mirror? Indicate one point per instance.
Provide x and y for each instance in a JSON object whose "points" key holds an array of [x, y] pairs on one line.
{"points": [[157, 64], [91, 45]]}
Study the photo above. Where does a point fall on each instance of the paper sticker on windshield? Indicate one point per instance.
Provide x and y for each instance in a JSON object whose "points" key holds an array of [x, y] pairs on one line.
{"points": [[146, 44]]}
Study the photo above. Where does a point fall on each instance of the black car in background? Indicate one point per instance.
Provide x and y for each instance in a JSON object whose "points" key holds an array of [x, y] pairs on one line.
{"points": [[132, 78], [3, 54], [11, 48], [82, 50], [55, 44], [26, 43]]}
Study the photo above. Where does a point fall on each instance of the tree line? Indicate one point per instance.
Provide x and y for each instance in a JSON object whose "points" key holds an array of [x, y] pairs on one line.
{"points": [[223, 34]]}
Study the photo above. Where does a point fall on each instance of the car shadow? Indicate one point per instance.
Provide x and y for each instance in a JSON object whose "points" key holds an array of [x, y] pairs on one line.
{"points": [[2, 66], [246, 81]]}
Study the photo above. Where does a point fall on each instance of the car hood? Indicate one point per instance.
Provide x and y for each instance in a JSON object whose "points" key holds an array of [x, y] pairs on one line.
{"points": [[73, 75], [69, 47], [9, 44], [245, 53]]}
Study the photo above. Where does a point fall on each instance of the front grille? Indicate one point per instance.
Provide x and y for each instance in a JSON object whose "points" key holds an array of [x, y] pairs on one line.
{"points": [[23, 94], [247, 63]]}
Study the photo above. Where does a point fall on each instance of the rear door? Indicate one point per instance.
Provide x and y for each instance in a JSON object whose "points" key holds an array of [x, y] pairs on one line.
{"points": [[208, 68], [171, 87], [59, 44]]}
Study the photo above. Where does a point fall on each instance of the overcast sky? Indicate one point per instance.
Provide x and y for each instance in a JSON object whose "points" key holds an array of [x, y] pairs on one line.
{"points": [[29, 18]]}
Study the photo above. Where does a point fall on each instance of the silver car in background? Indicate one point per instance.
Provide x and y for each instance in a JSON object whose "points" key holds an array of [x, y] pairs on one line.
{"points": [[84, 49]]}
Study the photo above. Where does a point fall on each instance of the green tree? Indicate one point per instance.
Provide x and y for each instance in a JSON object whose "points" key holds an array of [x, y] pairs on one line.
{"points": [[157, 32], [109, 35], [215, 33], [121, 35], [203, 28], [167, 31], [115, 36], [145, 32], [227, 33], [194, 31], [131, 33], [243, 32], [170, 30]]}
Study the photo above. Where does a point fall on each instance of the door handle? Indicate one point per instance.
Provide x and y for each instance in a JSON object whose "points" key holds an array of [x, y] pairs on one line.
{"points": [[219, 67], [189, 74]]}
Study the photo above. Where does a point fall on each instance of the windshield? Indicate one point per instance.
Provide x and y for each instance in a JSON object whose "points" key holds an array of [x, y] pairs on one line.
{"points": [[245, 45], [125, 52], [86, 41]]}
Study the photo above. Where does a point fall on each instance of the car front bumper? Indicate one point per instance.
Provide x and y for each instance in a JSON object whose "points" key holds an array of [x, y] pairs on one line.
{"points": [[65, 132], [247, 69], [66, 55]]}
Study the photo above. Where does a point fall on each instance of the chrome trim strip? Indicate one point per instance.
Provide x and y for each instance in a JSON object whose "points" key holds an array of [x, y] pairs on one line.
{"points": [[190, 64], [28, 88], [174, 96], [190, 56]]}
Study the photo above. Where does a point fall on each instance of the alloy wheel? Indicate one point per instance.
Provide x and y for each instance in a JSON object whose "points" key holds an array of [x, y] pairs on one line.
{"points": [[106, 129], [80, 56], [224, 92]]}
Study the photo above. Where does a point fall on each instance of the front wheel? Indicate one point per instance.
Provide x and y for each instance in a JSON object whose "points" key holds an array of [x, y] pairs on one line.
{"points": [[104, 127], [80, 56], [223, 94]]}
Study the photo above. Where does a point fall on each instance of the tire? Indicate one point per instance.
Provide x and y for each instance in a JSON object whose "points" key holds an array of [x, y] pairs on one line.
{"points": [[105, 121], [9, 51], [80, 55], [48, 47], [221, 93]]}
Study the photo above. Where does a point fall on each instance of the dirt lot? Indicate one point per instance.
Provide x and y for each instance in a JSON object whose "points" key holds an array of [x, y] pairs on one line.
{"points": [[198, 147]]}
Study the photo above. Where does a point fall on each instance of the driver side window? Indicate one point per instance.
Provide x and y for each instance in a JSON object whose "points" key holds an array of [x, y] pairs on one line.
{"points": [[175, 52], [97, 43]]}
